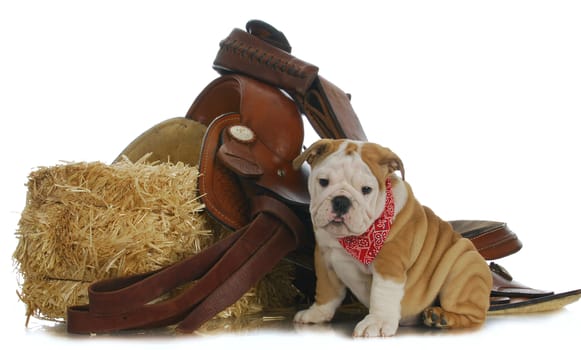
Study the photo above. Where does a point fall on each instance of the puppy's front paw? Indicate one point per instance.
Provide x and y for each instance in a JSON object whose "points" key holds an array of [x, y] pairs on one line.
{"points": [[374, 326], [315, 314]]}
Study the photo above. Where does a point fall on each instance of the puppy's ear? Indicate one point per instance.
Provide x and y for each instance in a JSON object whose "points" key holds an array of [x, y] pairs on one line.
{"points": [[314, 153], [393, 163], [386, 161]]}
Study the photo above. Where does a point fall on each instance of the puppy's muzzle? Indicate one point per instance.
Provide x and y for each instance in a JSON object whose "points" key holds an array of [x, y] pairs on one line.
{"points": [[341, 205]]}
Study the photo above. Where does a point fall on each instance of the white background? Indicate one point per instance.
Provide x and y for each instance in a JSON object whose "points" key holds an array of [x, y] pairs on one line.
{"points": [[481, 100]]}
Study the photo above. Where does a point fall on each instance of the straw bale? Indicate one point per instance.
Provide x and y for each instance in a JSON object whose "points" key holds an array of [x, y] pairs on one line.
{"points": [[88, 221]]}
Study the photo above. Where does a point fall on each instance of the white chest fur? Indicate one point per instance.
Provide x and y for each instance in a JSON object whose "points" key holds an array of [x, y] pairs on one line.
{"points": [[356, 276]]}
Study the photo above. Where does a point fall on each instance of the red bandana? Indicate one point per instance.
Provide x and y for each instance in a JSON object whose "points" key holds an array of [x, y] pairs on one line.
{"points": [[366, 246]]}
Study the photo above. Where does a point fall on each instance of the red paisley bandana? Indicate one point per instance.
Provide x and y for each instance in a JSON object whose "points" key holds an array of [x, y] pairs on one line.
{"points": [[366, 246]]}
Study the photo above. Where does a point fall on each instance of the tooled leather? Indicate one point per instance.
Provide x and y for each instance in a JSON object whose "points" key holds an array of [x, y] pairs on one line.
{"points": [[277, 124], [221, 190], [262, 107], [326, 106], [271, 171], [243, 52]]}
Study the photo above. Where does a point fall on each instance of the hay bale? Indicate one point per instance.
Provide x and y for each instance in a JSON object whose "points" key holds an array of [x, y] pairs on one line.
{"points": [[89, 221]]}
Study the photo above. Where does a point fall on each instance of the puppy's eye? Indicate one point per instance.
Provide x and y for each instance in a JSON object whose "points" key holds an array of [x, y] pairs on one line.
{"points": [[324, 182], [366, 190]]}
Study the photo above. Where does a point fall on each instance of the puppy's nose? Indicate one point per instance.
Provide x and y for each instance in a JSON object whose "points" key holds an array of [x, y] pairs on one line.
{"points": [[341, 205]]}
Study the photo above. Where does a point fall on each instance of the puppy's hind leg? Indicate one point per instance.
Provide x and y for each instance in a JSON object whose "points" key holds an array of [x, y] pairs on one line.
{"points": [[465, 295]]}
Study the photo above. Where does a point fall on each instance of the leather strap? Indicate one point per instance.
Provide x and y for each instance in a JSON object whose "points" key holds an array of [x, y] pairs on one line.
{"points": [[258, 265], [327, 107], [223, 273]]}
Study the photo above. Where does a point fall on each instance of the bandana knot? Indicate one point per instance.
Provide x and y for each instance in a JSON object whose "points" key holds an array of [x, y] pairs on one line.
{"points": [[367, 245]]}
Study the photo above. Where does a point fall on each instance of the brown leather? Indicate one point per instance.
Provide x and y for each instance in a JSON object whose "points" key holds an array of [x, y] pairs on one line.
{"points": [[229, 204], [268, 33], [492, 239], [248, 184], [267, 159], [251, 55], [223, 273], [505, 286], [511, 297], [329, 111], [327, 107], [289, 233], [264, 53], [121, 303]]}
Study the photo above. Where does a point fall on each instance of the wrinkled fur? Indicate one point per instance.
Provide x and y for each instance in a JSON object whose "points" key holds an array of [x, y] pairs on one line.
{"points": [[425, 270]]}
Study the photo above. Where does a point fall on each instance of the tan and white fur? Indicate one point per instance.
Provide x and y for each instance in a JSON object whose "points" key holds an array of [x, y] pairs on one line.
{"points": [[424, 271]]}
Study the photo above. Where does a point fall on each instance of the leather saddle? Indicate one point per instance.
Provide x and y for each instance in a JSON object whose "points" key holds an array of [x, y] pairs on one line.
{"points": [[243, 131]]}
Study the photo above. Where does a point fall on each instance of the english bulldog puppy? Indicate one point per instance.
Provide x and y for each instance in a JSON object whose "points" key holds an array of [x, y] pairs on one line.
{"points": [[400, 260]]}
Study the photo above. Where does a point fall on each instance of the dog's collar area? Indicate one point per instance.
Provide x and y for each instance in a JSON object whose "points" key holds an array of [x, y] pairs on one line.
{"points": [[367, 245]]}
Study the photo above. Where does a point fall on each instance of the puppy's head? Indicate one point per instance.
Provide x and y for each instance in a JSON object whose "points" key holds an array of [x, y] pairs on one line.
{"points": [[347, 184]]}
